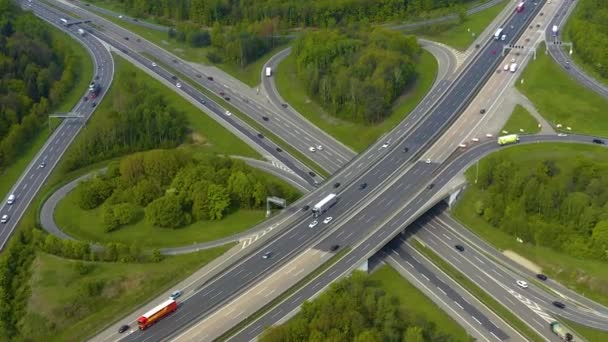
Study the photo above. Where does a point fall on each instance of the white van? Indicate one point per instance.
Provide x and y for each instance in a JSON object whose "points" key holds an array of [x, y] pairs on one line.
{"points": [[268, 71], [11, 199]]}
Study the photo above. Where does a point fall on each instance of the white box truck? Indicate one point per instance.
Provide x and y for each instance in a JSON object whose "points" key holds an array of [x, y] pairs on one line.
{"points": [[498, 34], [268, 71], [324, 204]]}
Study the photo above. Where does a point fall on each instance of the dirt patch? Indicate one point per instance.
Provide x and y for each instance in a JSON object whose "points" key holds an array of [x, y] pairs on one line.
{"points": [[198, 139], [522, 261]]}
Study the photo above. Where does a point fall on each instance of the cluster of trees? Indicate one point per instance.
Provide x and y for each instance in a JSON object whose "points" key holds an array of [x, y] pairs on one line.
{"points": [[355, 73], [589, 32], [291, 13], [354, 309], [139, 119], [556, 203], [172, 189], [36, 70]]}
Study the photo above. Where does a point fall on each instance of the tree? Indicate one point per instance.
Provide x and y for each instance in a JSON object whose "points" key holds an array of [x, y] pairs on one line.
{"points": [[166, 212], [93, 193], [219, 201]]}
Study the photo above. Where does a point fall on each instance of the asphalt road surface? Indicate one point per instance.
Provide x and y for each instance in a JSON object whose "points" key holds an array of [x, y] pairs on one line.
{"points": [[391, 162], [32, 180]]}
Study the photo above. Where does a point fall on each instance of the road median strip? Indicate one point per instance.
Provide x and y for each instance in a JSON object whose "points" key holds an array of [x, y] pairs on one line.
{"points": [[479, 293]]}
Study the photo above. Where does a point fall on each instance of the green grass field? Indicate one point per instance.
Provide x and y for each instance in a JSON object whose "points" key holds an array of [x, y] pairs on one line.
{"points": [[88, 225], [11, 174], [521, 122], [357, 136], [592, 335], [414, 301], [55, 284], [460, 35], [561, 100], [207, 133], [587, 277]]}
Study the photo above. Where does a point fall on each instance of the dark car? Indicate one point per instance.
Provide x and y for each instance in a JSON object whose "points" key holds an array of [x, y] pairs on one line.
{"points": [[598, 141], [430, 186], [362, 186], [123, 328], [406, 150], [265, 118], [222, 93], [85, 98], [312, 174], [279, 149], [126, 38], [267, 255], [284, 105], [198, 75], [93, 104], [482, 111], [305, 208], [559, 304], [336, 185], [210, 78], [459, 247], [174, 77], [226, 98], [260, 135], [541, 276], [334, 248]]}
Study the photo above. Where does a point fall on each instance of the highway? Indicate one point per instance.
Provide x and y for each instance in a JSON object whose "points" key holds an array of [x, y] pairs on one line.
{"points": [[366, 243], [30, 182], [476, 318], [294, 130], [561, 57], [383, 170]]}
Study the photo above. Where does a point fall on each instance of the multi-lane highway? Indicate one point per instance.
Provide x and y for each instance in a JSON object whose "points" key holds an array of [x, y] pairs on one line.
{"points": [[390, 161], [43, 163], [293, 129]]}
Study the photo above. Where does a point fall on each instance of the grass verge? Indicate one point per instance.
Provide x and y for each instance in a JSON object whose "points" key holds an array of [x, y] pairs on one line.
{"points": [[12, 173], [521, 121], [416, 303], [355, 135], [460, 35], [562, 100], [589, 334], [479, 293], [88, 225], [56, 288], [253, 317], [587, 277], [295, 153]]}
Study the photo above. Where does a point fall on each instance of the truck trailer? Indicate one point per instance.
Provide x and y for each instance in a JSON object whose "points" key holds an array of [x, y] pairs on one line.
{"points": [[498, 34], [554, 31], [508, 139], [520, 7], [324, 204], [156, 314], [268, 71], [560, 331]]}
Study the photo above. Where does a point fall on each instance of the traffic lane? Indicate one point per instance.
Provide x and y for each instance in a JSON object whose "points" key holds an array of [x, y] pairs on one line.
{"points": [[439, 215], [405, 258], [480, 260]]}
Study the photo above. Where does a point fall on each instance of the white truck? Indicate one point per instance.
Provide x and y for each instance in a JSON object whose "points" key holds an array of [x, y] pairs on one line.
{"points": [[81, 32], [324, 204], [513, 67], [268, 71], [554, 31], [498, 34]]}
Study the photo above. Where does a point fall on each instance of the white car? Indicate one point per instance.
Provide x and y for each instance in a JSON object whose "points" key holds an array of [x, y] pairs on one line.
{"points": [[328, 219], [319, 147], [154, 64], [313, 224], [385, 145], [521, 284], [179, 85], [228, 113], [504, 37], [175, 295], [4, 219], [11, 199], [506, 67], [312, 149], [428, 161], [512, 60], [562, 134], [475, 139], [462, 145]]}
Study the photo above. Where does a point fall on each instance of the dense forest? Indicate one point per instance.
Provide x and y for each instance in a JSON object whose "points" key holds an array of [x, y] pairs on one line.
{"points": [[173, 189], [36, 72], [291, 13], [356, 73], [547, 204], [139, 119], [589, 33], [354, 309]]}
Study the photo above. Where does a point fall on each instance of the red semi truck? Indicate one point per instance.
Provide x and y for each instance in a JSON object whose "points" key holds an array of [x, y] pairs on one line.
{"points": [[156, 314]]}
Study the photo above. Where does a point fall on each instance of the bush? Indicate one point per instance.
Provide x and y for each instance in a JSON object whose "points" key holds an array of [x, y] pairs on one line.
{"points": [[118, 215], [166, 212], [93, 193]]}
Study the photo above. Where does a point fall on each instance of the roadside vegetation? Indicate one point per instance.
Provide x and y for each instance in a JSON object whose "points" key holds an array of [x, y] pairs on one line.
{"points": [[56, 78], [521, 122], [553, 197], [588, 30], [589, 334], [355, 309], [165, 198], [576, 106]]}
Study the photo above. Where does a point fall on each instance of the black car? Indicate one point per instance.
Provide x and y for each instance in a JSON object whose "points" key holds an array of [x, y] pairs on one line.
{"points": [[265, 118], [260, 136], [305, 208], [482, 111], [336, 185], [222, 93], [559, 304], [598, 141], [541, 277], [334, 248], [198, 75], [267, 255], [123, 328], [279, 149], [312, 174], [85, 98], [174, 77], [226, 98], [284, 105], [93, 104], [405, 150], [459, 247], [210, 78], [126, 38], [430, 186], [362, 186]]}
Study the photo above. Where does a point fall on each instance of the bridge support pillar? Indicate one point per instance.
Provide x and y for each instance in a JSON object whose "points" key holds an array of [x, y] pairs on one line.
{"points": [[364, 266], [453, 197]]}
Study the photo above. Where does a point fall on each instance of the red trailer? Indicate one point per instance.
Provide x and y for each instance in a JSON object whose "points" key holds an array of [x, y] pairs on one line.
{"points": [[156, 313]]}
